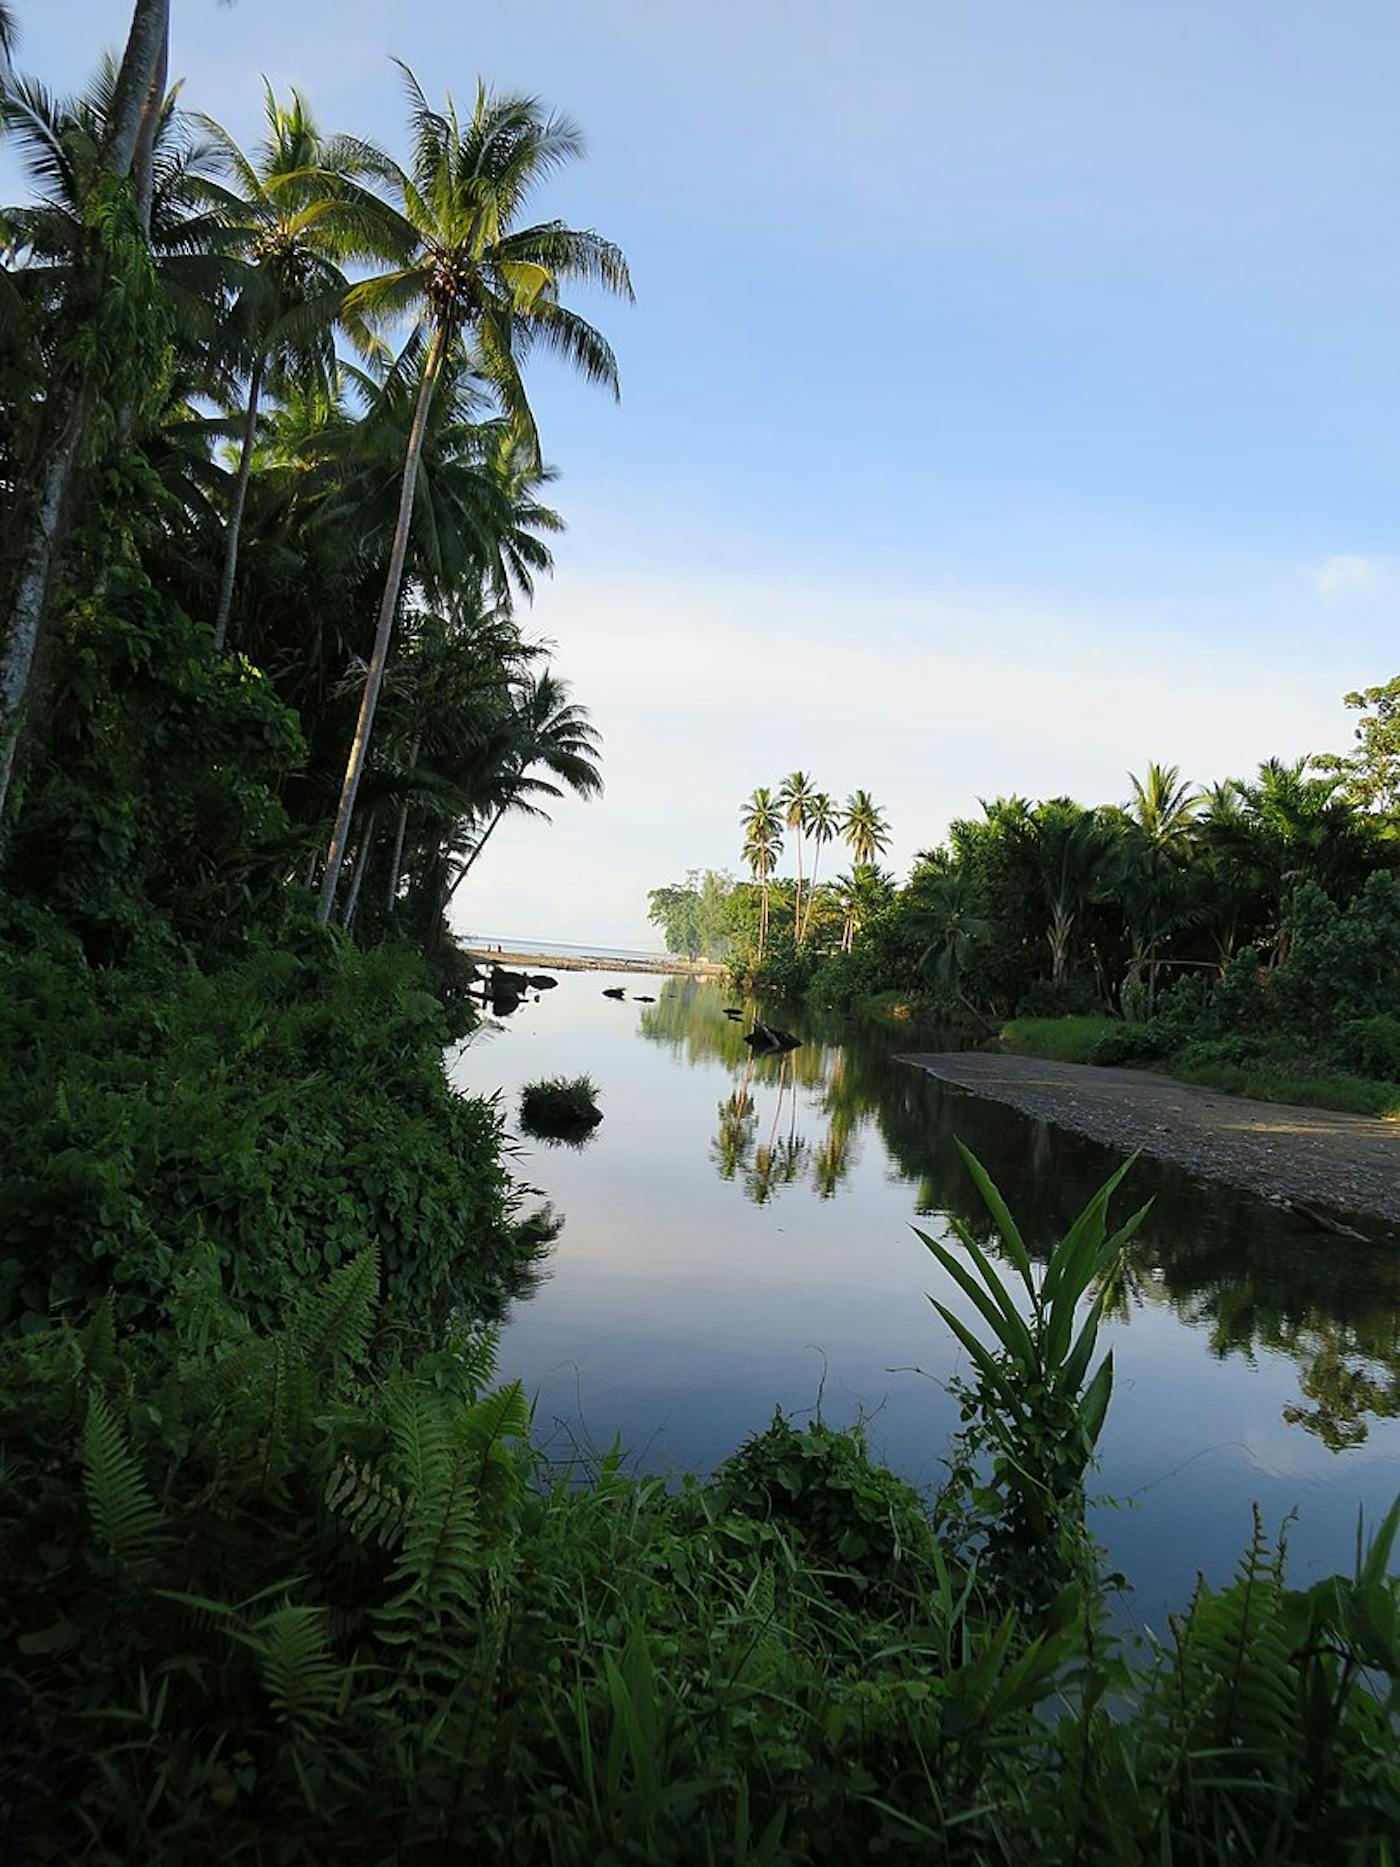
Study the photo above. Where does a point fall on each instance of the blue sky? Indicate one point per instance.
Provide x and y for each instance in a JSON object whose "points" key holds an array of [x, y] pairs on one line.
{"points": [[1011, 396]]}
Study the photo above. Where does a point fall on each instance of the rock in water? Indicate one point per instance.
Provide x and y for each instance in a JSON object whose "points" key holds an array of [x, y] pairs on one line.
{"points": [[542, 982], [614, 991], [767, 1037]]}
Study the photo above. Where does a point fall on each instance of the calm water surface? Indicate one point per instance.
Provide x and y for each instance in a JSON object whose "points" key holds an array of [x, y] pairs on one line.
{"points": [[739, 1235]]}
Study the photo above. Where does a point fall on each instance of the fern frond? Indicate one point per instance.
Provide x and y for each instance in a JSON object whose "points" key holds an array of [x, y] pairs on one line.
{"points": [[124, 1514], [369, 1506], [302, 1679], [331, 1327], [440, 1555], [97, 1343]]}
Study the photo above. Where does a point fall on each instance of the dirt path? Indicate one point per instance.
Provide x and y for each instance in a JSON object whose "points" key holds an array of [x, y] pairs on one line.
{"points": [[1350, 1163]]}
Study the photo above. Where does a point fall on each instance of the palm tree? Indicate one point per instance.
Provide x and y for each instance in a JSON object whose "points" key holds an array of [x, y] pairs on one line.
{"points": [[865, 828], [795, 801], [1068, 846], [296, 211], [102, 328], [82, 159], [448, 695], [470, 274], [763, 841], [1151, 858], [1164, 807], [952, 927], [863, 892], [823, 823], [546, 733]]}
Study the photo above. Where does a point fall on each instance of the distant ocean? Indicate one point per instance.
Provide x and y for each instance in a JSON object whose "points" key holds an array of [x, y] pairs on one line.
{"points": [[590, 949]]}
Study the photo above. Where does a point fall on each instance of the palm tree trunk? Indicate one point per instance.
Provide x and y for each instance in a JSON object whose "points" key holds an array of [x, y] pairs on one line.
{"points": [[481, 844], [362, 856], [145, 47], [235, 511], [797, 905], [31, 599], [143, 166], [812, 888], [384, 629], [400, 831]]}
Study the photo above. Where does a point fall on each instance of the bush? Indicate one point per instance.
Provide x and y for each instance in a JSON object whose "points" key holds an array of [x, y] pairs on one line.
{"points": [[783, 972], [1129, 1043], [284, 1111], [840, 979], [858, 1523], [1372, 1045], [560, 1105], [1060, 998]]}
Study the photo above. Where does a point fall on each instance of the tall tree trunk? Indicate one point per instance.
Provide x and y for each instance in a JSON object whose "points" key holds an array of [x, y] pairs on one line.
{"points": [[400, 832], [362, 858], [797, 905], [384, 629], [17, 656], [142, 58], [143, 166], [812, 888], [145, 46], [235, 511], [482, 841]]}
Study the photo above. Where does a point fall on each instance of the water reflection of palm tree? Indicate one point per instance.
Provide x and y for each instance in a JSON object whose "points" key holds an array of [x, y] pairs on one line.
{"points": [[833, 1158], [730, 1148]]}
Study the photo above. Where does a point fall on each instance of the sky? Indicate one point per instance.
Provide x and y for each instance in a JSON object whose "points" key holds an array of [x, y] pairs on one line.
{"points": [[1011, 396]]}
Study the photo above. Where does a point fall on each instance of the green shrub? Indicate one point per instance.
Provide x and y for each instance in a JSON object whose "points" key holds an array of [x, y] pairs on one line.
{"points": [[286, 1109], [560, 1106], [1060, 998], [855, 1521], [840, 979], [1372, 1045]]}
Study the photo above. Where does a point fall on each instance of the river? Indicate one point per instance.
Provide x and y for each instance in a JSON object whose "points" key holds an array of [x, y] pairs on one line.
{"points": [[739, 1236]]}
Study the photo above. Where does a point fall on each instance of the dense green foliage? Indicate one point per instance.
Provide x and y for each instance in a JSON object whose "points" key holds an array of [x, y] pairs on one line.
{"points": [[275, 1114], [1249, 933], [281, 1577], [282, 1594]]}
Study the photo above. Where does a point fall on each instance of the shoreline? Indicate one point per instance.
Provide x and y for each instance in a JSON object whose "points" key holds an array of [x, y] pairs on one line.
{"points": [[591, 962], [1279, 1151]]}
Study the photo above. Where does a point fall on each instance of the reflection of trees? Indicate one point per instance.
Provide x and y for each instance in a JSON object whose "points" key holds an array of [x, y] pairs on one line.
{"points": [[1254, 1281]]}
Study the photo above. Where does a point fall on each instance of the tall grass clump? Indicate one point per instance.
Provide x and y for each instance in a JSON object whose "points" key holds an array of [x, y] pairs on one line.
{"points": [[561, 1107]]}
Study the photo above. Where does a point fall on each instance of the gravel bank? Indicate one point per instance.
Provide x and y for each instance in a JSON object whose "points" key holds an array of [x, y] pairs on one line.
{"points": [[1348, 1163]]}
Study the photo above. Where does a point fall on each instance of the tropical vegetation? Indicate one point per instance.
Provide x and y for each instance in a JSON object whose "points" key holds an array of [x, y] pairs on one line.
{"points": [[1247, 932], [284, 1576]]}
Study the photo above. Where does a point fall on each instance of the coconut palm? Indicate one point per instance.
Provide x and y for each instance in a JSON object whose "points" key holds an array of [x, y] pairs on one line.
{"points": [[1069, 849], [472, 276], [551, 747], [952, 927], [295, 213], [795, 801], [865, 828], [102, 327], [763, 841], [823, 824], [1147, 875]]}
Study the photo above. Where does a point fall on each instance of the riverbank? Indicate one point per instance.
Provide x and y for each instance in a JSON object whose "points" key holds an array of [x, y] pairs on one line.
{"points": [[596, 962], [1349, 1163]]}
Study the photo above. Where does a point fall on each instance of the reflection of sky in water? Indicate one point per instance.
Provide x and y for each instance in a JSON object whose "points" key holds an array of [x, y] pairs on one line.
{"points": [[677, 1312]]}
